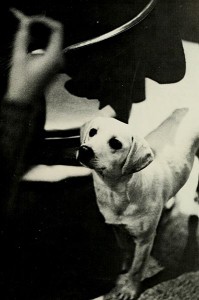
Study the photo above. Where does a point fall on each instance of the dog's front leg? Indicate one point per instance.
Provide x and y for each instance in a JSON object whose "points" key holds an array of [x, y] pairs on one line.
{"points": [[128, 284], [142, 252], [126, 243]]}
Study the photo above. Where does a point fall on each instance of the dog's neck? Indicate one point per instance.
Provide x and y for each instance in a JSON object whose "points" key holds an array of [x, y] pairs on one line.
{"points": [[138, 184], [113, 181]]}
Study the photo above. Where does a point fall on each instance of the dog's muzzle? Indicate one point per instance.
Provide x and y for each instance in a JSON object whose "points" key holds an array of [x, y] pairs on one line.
{"points": [[85, 154]]}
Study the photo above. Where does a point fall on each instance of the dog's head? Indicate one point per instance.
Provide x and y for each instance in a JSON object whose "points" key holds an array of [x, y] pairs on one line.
{"points": [[108, 147]]}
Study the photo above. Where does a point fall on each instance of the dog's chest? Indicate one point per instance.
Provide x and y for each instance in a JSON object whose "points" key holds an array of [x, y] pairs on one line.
{"points": [[111, 203]]}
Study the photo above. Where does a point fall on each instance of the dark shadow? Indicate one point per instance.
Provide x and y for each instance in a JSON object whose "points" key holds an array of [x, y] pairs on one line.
{"points": [[57, 246]]}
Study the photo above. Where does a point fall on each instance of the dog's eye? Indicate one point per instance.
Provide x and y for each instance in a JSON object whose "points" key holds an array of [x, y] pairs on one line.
{"points": [[115, 144], [92, 132]]}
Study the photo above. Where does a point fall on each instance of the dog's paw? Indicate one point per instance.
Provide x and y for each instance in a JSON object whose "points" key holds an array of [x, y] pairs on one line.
{"points": [[123, 293], [125, 289], [112, 295]]}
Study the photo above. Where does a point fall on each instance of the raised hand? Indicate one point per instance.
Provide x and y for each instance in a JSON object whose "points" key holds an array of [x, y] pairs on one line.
{"points": [[30, 73]]}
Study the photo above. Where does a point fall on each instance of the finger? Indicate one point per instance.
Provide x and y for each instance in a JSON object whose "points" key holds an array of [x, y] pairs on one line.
{"points": [[17, 13], [55, 44], [54, 51], [22, 35]]}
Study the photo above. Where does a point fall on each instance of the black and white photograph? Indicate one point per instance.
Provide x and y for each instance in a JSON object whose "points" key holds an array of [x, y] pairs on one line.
{"points": [[99, 150]]}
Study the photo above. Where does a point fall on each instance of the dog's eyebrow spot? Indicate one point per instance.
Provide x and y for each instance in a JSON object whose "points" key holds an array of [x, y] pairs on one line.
{"points": [[115, 144], [92, 132]]}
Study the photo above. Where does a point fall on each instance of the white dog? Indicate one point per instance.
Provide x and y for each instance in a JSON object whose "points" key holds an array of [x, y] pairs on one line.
{"points": [[134, 178]]}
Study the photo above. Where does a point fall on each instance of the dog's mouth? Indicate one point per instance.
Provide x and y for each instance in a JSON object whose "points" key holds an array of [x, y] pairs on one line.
{"points": [[86, 157]]}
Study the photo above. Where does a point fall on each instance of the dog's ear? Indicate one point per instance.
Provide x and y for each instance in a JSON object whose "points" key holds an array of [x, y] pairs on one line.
{"points": [[139, 156], [83, 131]]}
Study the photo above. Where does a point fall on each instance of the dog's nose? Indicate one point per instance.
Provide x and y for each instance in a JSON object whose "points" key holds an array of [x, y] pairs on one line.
{"points": [[85, 154]]}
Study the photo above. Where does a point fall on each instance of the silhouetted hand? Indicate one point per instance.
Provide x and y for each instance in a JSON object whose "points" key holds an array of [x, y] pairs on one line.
{"points": [[31, 73]]}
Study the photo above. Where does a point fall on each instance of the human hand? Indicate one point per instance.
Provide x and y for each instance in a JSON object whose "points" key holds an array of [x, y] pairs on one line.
{"points": [[31, 73]]}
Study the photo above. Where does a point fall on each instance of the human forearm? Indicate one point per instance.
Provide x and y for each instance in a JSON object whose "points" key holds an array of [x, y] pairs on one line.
{"points": [[21, 128]]}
